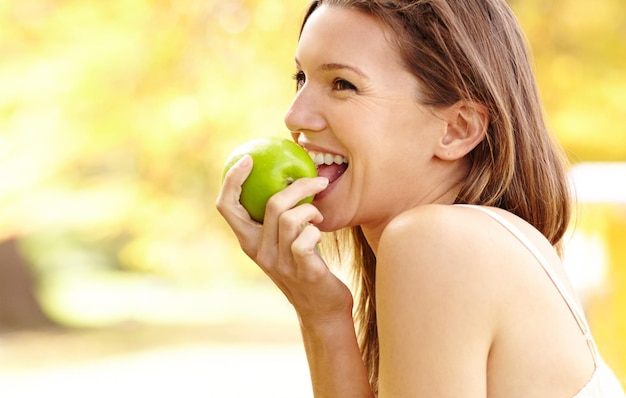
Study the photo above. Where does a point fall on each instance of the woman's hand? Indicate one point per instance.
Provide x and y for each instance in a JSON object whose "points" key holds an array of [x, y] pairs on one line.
{"points": [[284, 246]]}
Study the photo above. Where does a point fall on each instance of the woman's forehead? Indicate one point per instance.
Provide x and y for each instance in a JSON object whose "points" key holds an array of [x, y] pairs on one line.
{"points": [[339, 34]]}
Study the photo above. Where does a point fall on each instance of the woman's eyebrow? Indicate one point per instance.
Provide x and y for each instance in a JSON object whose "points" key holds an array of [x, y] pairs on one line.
{"points": [[336, 66], [329, 67]]}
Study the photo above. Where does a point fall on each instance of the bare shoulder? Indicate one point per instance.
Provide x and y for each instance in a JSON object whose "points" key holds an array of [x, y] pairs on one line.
{"points": [[451, 244], [458, 231], [452, 301], [441, 229], [437, 295]]}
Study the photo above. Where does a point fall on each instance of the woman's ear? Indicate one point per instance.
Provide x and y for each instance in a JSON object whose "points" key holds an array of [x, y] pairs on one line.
{"points": [[467, 126]]}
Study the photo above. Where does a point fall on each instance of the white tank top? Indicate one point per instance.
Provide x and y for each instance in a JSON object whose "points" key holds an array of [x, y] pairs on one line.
{"points": [[603, 383]]}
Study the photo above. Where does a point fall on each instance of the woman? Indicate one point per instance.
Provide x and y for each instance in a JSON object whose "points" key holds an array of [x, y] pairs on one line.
{"points": [[434, 105]]}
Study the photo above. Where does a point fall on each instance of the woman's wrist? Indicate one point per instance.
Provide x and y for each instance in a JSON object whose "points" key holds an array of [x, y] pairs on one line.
{"points": [[335, 362], [326, 323]]}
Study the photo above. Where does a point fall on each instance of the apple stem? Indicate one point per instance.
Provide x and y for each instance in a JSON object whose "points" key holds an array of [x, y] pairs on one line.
{"points": [[290, 180]]}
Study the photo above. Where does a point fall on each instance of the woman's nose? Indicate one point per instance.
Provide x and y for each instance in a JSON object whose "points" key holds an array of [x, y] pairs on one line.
{"points": [[304, 114]]}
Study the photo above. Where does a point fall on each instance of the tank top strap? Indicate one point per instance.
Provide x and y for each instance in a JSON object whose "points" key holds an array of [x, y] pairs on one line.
{"points": [[572, 304]]}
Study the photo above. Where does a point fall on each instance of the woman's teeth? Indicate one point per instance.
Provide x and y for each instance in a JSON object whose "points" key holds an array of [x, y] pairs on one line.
{"points": [[326, 158]]}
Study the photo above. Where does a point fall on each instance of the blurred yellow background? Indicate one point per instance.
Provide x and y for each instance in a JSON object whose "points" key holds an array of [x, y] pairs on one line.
{"points": [[115, 117]]}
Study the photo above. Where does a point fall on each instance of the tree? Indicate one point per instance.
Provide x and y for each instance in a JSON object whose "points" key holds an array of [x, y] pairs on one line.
{"points": [[19, 308]]}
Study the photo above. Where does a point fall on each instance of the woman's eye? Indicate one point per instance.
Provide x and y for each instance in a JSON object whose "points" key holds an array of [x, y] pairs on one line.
{"points": [[341, 85], [300, 79]]}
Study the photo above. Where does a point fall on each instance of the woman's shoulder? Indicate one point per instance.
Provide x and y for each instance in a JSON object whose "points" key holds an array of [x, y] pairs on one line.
{"points": [[438, 293], [446, 224], [461, 281], [438, 233], [459, 244], [431, 226]]}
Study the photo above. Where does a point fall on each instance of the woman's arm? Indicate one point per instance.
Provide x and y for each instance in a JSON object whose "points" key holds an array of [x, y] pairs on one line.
{"points": [[284, 247], [335, 363]]}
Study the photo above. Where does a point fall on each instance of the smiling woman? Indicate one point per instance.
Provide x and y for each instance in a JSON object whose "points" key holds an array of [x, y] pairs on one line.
{"points": [[452, 196]]}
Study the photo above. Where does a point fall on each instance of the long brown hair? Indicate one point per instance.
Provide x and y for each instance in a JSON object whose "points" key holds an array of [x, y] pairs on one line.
{"points": [[469, 50]]}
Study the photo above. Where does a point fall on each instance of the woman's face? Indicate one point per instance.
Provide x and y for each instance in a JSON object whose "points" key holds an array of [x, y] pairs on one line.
{"points": [[356, 102]]}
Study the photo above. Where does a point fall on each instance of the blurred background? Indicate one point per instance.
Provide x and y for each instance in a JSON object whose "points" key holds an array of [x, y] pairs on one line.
{"points": [[118, 277]]}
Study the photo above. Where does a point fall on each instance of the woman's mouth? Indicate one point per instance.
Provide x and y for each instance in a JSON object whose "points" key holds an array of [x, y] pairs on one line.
{"points": [[329, 165]]}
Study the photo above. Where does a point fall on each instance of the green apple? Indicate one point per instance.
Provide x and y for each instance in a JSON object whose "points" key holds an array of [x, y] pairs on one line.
{"points": [[277, 162]]}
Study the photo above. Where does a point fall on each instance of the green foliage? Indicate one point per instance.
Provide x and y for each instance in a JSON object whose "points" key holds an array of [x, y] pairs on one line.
{"points": [[116, 116], [580, 54]]}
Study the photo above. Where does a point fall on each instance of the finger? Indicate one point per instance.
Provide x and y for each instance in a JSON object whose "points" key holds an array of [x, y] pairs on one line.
{"points": [[310, 265], [298, 263], [289, 197], [291, 225], [294, 193], [284, 201], [274, 250], [227, 202]]}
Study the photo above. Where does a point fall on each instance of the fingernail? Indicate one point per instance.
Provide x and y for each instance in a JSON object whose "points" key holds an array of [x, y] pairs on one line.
{"points": [[244, 161], [322, 181]]}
